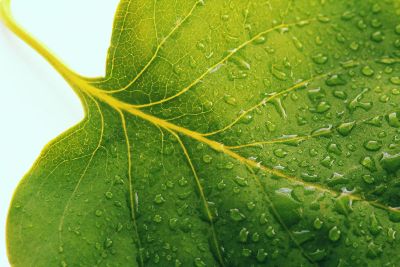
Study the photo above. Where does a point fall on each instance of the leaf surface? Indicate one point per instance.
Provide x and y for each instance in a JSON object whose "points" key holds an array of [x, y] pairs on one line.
{"points": [[225, 133]]}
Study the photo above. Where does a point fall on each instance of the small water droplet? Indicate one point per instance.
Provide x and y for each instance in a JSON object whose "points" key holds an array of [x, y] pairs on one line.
{"points": [[377, 36], [280, 153], [261, 255], [368, 163], [159, 199], [270, 232], [230, 100], [109, 195], [207, 158], [318, 223], [393, 119], [241, 181], [236, 215], [260, 40], [374, 226], [334, 234], [243, 235], [157, 218], [367, 71], [108, 243], [369, 179], [297, 43], [198, 262], [320, 58], [278, 74], [374, 250]]}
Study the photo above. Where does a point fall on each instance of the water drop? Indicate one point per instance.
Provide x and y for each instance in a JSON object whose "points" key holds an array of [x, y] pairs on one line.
{"points": [[394, 119], [374, 226], [395, 80], [354, 46], [334, 234], [280, 153], [335, 80], [173, 223], [375, 121], [337, 178], [198, 262], [261, 255], [389, 162], [320, 58], [391, 234], [303, 236], [157, 218], [349, 64], [318, 254], [278, 74], [373, 145], [369, 179], [236, 215], [368, 163], [108, 243], [356, 102], [207, 158], [318, 223], [323, 107], [288, 208], [327, 162], [377, 36], [246, 252], [367, 71], [109, 195], [260, 40], [230, 100], [324, 131], [240, 62], [374, 250], [241, 181], [335, 149], [270, 232], [158, 199], [243, 235], [297, 43], [340, 94]]}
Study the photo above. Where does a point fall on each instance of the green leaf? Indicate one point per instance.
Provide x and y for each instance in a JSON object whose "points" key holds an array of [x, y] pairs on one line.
{"points": [[225, 133]]}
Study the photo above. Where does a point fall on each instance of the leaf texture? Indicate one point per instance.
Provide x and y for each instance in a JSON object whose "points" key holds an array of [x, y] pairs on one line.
{"points": [[225, 133]]}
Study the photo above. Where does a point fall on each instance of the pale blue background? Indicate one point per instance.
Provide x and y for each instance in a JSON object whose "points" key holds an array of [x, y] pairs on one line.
{"points": [[36, 105]]}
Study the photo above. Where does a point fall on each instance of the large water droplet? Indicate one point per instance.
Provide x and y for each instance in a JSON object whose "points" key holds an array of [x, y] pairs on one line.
{"points": [[345, 128], [389, 162], [394, 119], [287, 207], [373, 145]]}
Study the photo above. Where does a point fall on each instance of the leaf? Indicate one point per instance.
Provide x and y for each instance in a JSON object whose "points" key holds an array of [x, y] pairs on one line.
{"points": [[225, 133]]}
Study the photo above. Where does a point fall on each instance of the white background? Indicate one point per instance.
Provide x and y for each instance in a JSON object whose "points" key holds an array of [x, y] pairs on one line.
{"points": [[36, 105]]}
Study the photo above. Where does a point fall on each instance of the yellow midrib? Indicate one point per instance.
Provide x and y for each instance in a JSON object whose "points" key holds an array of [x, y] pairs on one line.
{"points": [[82, 85]]}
